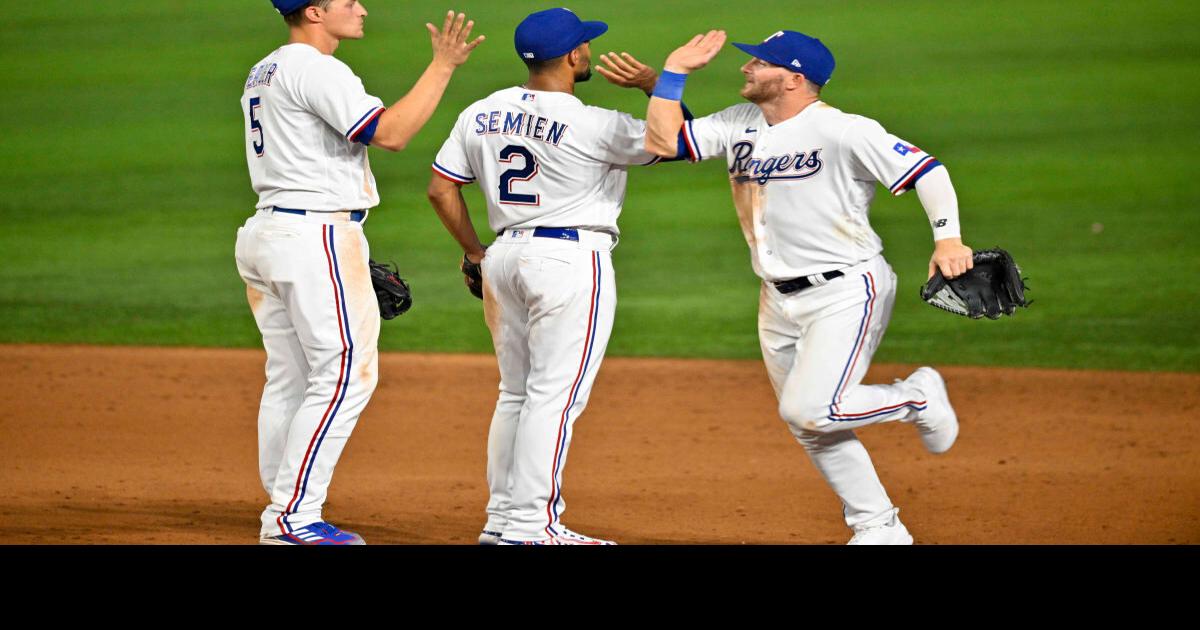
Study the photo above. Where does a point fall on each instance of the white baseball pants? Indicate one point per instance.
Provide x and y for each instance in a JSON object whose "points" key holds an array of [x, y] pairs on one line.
{"points": [[309, 285], [817, 344], [549, 304]]}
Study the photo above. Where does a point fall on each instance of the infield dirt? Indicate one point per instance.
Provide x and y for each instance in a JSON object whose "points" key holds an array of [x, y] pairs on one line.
{"points": [[152, 445]]}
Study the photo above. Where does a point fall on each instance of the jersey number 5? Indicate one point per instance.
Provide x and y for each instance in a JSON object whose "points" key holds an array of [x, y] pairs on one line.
{"points": [[523, 174], [256, 127]]}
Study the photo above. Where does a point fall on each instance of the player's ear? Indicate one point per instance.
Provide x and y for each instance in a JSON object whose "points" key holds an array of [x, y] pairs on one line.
{"points": [[795, 81], [314, 13]]}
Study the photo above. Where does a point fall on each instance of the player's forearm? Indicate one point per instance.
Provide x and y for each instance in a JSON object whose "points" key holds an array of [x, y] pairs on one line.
{"points": [[664, 117], [941, 204], [403, 120], [451, 208]]}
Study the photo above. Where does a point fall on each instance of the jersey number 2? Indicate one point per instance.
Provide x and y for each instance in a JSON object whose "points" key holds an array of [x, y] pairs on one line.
{"points": [[523, 174], [256, 127]]}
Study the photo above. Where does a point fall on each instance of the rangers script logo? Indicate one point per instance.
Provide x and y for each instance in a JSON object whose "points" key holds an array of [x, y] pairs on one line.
{"points": [[799, 165]]}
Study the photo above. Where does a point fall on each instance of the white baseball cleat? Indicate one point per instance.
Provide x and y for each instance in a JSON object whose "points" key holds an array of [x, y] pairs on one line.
{"points": [[489, 537], [563, 537], [574, 538], [891, 533], [938, 423]]}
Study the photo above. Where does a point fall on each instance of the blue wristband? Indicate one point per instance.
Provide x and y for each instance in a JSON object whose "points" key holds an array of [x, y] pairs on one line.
{"points": [[670, 86]]}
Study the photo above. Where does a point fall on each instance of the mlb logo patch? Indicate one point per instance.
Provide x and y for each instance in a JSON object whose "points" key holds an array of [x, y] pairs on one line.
{"points": [[528, 97], [517, 233], [904, 149]]}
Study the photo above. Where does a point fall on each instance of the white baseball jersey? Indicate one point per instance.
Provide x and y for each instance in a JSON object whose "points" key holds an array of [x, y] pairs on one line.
{"points": [[544, 159], [803, 188], [309, 120]]}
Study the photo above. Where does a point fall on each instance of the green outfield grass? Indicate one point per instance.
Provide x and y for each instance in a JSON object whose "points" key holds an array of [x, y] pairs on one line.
{"points": [[1070, 130]]}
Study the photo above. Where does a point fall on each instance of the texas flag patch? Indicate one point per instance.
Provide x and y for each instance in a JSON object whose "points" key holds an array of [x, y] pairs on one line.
{"points": [[905, 149]]}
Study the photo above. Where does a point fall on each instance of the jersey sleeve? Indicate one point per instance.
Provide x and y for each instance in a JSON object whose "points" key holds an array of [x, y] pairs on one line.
{"points": [[623, 140], [878, 155], [451, 161], [708, 137], [335, 94]]}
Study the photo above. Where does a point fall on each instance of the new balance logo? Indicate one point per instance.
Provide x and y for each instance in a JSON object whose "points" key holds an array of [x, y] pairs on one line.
{"points": [[940, 223]]}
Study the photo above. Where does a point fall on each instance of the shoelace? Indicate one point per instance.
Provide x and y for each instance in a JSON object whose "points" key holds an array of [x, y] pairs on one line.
{"points": [[325, 529], [858, 533]]}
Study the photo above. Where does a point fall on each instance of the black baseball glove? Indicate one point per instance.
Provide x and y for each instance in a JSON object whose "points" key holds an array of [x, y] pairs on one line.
{"points": [[472, 277], [993, 287], [393, 293]]}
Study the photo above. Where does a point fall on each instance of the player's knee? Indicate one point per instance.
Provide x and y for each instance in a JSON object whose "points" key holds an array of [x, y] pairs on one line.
{"points": [[368, 376], [370, 382], [812, 441], [805, 414]]}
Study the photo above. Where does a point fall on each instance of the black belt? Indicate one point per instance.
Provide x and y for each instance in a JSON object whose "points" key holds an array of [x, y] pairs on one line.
{"points": [[801, 283], [355, 215]]}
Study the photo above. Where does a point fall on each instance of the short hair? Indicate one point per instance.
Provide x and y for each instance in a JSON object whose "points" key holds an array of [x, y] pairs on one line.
{"points": [[296, 18], [542, 65], [812, 87]]}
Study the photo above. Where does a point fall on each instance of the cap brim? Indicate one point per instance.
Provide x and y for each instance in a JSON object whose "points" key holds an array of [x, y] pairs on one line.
{"points": [[592, 30], [759, 52]]}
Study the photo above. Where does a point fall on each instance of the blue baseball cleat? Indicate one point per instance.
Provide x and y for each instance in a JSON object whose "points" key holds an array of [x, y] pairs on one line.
{"points": [[319, 533]]}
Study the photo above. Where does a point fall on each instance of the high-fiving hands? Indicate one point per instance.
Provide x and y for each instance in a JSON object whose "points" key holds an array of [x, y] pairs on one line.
{"points": [[625, 70], [696, 53], [450, 45]]}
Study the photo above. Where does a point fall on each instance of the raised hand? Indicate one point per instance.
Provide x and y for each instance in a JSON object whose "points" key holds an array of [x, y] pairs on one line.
{"points": [[696, 53], [626, 71], [450, 45]]}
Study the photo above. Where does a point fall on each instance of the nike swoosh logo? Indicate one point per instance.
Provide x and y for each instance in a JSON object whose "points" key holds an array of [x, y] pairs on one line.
{"points": [[749, 130]]}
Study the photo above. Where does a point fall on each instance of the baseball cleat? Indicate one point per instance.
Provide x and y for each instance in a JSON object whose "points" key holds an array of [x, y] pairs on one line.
{"points": [[563, 537], [891, 533], [573, 538], [489, 538], [938, 423], [319, 533]]}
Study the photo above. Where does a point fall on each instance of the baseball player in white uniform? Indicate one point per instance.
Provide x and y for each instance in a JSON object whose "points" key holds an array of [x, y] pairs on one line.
{"points": [[303, 255], [803, 175], [553, 172]]}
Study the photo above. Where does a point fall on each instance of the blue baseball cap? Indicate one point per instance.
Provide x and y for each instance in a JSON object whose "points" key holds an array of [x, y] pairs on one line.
{"points": [[553, 33], [287, 6], [796, 52]]}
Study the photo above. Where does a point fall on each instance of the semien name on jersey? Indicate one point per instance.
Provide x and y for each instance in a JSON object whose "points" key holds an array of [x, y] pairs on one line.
{"points": [[520, 124]]}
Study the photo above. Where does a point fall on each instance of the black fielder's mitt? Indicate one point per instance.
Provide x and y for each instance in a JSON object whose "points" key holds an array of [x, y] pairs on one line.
{"points": [[472, 277], [395, 298], [993, 287]]}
